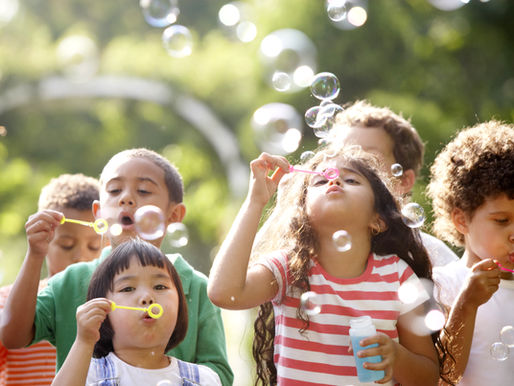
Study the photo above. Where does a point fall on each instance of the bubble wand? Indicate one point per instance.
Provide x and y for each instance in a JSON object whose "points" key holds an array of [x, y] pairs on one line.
{"points": [[503, 268], [152, 314], [100, 225], [329, 174]]}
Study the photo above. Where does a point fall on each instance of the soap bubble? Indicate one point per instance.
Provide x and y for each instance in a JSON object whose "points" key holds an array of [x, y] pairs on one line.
{"points": [[178, 41], [116, 229], [292, 52], [306, 155], [160, 13], [342, 240], [311, 116], [246, 31], [355, 16], [435, 320], [396, 170], [325, 85], [507, 336], [230, 14], [336, 9], [277, 128], [149, 222], [178, 234], [281, 81], [499, 351], [309, 303], [413, 215], [408, 293]]}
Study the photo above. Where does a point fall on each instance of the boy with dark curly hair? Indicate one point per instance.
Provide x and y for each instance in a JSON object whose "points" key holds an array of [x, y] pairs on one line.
{"points": [[472, 189]]}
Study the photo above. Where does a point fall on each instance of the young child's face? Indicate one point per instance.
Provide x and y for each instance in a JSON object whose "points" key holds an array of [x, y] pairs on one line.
{"points": [[489, 233], [140, 286], [347, 200], [72, 242], [127, 185]]}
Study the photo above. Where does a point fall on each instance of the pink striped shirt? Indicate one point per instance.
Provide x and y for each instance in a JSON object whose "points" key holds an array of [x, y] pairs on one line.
{"points": [[29, 366], [320, 355]]}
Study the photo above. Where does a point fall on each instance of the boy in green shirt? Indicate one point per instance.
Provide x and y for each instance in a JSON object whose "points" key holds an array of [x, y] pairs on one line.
{"points": [[131, 179]]}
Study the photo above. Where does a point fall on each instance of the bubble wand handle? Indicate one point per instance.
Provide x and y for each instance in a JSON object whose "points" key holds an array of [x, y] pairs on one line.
{"points": [[154, 315], [504, 269], [329, 174], [86, 223], [100, 225]]}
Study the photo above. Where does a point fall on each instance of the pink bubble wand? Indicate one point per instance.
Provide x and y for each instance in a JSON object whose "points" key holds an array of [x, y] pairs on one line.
{"points": [[329, 174], [503, 268]]}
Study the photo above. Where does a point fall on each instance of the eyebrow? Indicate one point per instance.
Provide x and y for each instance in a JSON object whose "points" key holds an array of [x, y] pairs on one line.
{"points": [[131, 277], [140, 179]]}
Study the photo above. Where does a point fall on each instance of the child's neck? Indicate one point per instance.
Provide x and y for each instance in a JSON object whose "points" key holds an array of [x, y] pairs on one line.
{"points": [[351, 263], [151, 358]]}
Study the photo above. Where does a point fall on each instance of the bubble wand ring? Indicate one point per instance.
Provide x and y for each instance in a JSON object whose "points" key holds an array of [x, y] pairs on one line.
{"points": [[100, 225], [148, 310], [329, 174]]}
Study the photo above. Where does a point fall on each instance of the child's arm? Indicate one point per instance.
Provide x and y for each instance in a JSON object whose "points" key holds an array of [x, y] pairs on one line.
{"points": [[231, 284], [413, 361], [75, 368], [480, 285], [17, 322]]}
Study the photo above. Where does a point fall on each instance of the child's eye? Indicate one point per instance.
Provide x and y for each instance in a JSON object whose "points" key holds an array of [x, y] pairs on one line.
{"points": [[142, 191], [320, 181], [501, 221], [160, 287], [127, 289], [350, 180], [67, 247], [113, 191]]}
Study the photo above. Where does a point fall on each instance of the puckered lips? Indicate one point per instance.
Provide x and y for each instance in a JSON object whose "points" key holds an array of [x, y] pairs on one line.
{"points": [[126, 220], [334, 189]]}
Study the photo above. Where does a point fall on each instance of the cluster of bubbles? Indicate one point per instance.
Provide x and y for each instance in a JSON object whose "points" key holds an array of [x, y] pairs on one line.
{"points": [[176, 39], [347, 14], [234, 17], [500, 351], [325, 86]]}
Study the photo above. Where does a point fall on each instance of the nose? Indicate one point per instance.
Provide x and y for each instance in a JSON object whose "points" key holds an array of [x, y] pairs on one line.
{"points": [[147, 299], [335, 181], [126, 199]]}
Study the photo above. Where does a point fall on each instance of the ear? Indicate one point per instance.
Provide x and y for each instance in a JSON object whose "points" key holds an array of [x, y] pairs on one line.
{"points": [[460, 220], [378, 225], [176, 213], [96, 209], [407, 181]]}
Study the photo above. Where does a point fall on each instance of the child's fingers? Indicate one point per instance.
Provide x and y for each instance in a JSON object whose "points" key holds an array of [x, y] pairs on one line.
{"points": [[485, 265]]}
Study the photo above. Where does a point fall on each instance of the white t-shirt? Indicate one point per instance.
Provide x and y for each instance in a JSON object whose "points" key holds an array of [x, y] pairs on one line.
{"points": [[136, 376], [482, 369], [438, 252]]}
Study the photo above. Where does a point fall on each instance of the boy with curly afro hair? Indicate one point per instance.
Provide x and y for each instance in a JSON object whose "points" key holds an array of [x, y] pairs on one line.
{"points": [[472, 190]]}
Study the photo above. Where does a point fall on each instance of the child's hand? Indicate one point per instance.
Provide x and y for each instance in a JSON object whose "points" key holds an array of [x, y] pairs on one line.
{"points": [[40, 228], [386, 348], [262, 186], [482, 282], [90, 316]]}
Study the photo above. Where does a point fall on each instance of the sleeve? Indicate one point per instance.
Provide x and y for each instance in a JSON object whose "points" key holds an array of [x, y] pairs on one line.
{"points": [[211, 348], [446, 284], [412, 286], [277, 264], [44, 318]]}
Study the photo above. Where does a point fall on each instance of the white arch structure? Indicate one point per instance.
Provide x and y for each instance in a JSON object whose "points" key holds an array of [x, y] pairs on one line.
{"points": [[191, 110]]}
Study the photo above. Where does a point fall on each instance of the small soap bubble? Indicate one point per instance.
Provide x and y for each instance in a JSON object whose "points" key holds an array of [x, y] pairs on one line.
{"points": [[178, 234], [413, 215], [149, 222], [306, 155], [325, 85], [178, 41], [309, 303], [336, 9], [499, 351], [408, 293], [281, 81], [311, 116], [507, 336], [116, 229], [160, 13], [321, 132], [396, 170], [232, 298], [342, 240], [435, 320]]}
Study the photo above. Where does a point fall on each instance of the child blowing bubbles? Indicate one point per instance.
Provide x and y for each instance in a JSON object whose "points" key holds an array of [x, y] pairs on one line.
{"points": [[130, 345], [354, 283], [472, 189]]}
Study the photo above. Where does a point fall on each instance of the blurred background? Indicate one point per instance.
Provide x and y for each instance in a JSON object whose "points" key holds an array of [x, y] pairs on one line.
{"points": [[210, 84]]}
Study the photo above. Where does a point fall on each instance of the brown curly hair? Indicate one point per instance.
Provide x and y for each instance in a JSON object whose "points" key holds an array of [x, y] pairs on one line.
{"points": [[408, 148], [476, 165], [69, 191]]}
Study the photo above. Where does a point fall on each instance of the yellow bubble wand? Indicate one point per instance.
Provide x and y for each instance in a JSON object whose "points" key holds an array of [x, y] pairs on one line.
{"points": [[100, 225], [155, 307]]}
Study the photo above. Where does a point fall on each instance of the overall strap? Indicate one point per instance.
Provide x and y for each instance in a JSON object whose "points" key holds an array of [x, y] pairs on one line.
{"points": [[106, 371], [189, 373]]}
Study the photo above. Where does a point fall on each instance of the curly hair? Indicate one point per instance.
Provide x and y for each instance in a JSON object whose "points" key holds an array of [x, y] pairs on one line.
{"points": [[408, 148], [69, 191], [476, 165], [288, 228]]}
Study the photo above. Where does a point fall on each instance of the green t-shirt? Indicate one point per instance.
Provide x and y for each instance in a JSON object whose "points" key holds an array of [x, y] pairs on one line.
{"points": [[205, 339]]}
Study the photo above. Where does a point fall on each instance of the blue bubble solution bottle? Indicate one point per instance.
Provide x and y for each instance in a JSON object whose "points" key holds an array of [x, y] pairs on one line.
{"points": [[361, 328]]}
